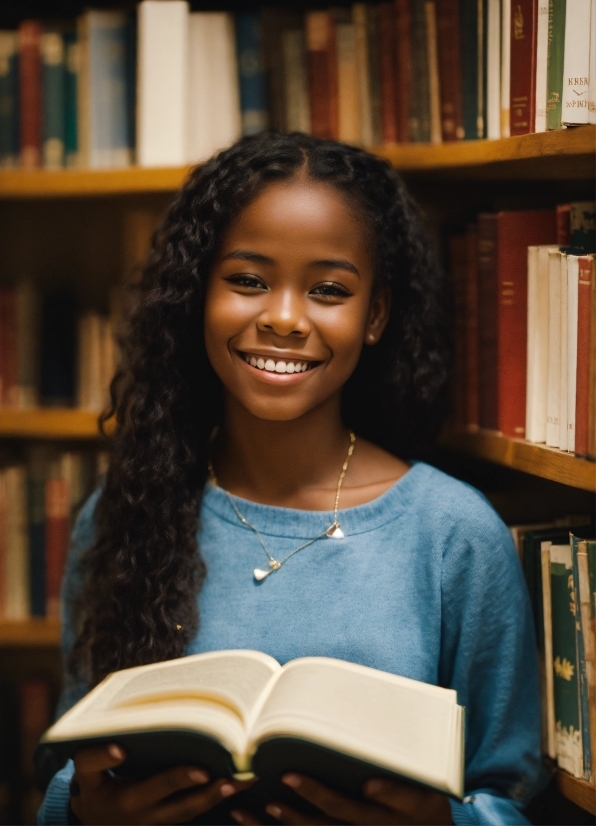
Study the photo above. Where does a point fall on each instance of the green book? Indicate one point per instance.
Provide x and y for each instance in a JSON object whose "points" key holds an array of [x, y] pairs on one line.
{"points": [[53, 99], [71, 83], [582, 645], [555, 53], [566, 680], [468, 18]]}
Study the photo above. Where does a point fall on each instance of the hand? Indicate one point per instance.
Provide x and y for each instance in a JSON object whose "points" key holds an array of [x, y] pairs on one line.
{"points": [[391, 803], [158, 799]]}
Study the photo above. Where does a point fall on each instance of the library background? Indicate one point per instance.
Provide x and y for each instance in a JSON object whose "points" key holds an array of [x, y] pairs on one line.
{"points": [[486, 108]]}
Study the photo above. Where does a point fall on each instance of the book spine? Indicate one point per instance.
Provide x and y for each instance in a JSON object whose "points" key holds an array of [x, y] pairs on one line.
{"points": [[434, 92], [296, 81], [57, 511], [563, 383], [9, 379], [469, 76], [322, 74], [505, 68], [481, 69], [488, 290], [17, 550], [582, 223], [53, 100], [563, 225], [582, 383], [572, 319], [587, 584], [554, 349], [537, 371], [71, 81], [374, 69], [420, 81], [251, 73], [554, 72], [9, 110], [3, 548], [360, 15], [388, 75], [347, 84], [592, 78], [523, 66], [30, 93], [541, 64], [403, 68], [57, 350], [273, 30], [37, 562], [458, 269], [27, 319], [576, 62], [449, 57], [547, 613], [580, 641], [493, 70], [592, 370], [471, 346]]}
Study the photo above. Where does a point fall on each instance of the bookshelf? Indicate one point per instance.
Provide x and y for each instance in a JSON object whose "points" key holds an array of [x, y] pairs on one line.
{"points": [[29, 633]]}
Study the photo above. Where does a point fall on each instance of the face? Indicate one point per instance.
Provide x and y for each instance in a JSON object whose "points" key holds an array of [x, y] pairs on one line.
{"points": [[290, 302]]}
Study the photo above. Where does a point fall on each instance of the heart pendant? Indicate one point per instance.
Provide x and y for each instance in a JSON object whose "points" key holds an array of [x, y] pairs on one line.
{"points": [[260, 574], [335, 532]]}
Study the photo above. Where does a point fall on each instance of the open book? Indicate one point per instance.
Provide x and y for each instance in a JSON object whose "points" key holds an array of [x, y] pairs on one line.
{"points": [[240, 713]]}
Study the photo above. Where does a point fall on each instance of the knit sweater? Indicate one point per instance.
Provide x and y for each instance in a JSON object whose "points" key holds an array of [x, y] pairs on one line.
{"points": [[426, 584]]}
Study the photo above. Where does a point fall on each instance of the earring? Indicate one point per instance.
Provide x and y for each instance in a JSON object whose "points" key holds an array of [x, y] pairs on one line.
{"points": [[371, 338]]}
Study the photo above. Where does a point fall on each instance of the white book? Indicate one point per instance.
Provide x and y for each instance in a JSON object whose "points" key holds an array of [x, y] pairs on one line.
{"points": [[214, 119], [563, 363], [493, 77], [592, 77], [572, 287], [537, 363], [548, 648], [553, 397], [162, 71], [576, 62], [359, 16], [16, 602], [541, 65], [505, 67]]}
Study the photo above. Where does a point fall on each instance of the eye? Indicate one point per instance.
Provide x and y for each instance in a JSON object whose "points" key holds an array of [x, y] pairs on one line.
{"points": [[246, 280], [330, 289]]}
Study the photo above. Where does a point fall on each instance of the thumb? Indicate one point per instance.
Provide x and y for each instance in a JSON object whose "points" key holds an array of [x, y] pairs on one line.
{"points": [[92, 763]]}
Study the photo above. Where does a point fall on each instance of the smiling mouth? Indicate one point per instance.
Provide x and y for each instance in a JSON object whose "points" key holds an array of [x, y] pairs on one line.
{"points": [[278, 365]]}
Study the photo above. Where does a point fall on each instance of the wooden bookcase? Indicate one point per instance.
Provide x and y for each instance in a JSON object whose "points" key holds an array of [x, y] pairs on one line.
{"points": [[88, 228]]}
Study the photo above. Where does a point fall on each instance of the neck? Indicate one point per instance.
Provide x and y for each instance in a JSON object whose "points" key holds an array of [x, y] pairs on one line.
{"points": [[275, 462]]}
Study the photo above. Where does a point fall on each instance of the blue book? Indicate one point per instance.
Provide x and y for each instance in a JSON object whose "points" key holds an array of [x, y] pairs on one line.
{"points": [[71, 90], [9, 109], [52, 61], [253, 94]]}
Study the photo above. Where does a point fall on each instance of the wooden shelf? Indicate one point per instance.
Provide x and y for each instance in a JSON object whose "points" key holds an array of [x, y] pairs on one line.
{"points": [[580, 792], [50, 423], [525, 156], [521, 455], [30, 632]]}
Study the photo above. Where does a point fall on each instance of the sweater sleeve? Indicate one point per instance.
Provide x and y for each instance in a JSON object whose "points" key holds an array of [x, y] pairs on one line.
{"points": [[488, 654], [54, 808]]}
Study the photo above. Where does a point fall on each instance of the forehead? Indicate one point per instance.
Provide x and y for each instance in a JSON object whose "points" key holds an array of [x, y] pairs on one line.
{"points": [[308, 215]]}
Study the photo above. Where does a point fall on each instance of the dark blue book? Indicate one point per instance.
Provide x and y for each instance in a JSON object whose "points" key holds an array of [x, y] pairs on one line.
{"points": [[9, 108], [58, 350], [253, 93], [52, 61], [468, 11], [71, 87]]}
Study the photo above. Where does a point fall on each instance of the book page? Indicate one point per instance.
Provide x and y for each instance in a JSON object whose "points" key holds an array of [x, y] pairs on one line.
{"points": [[391, 721]]}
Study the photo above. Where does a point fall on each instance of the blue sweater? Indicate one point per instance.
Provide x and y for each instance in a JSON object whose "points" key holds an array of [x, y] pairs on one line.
{"points": [[426, 584]]}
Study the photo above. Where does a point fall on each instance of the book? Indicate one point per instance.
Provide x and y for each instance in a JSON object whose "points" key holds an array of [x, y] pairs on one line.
{"points": [[9, 109], [458, 269], [322, 74], [16, 570], [586, 567], [360, 13], [493, 70], [563, 362], [30, 93], [505, 68], [487, 320], [469, 70], [563, 227], [419, 78], [275, 22], [251, 73], [388, 74], [348, 93], [576, 62], [553, 389], [541, 65], [52, 50], [572, 318], [581, 638], [27, 310], [554, 72], [297, 104], [403, 67], [524, 29], [585, 292], [162, 70], [472, 413], [434, 91], [57, 367], [240, 712], [592, 61], [374, 70], [481, 68], [592, 370], [71, 83], [56, 534], [9, 370], [449, 60], [582, 232]]}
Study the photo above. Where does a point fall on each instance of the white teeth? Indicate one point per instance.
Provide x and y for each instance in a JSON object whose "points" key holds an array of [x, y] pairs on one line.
{"points": [[272, 366], [261, 364], [253, 361], [280, 367], [290, 367]]}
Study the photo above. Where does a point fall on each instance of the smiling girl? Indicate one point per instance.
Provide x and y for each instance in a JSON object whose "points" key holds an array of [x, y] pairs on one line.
{"points": [[286, 364]]}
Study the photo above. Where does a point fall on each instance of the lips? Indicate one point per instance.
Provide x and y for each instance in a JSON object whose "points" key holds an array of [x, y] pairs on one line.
{"points": [[270, 364]]}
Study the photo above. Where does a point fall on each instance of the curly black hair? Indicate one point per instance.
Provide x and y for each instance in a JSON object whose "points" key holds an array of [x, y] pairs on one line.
{"points": [[142, 574]]}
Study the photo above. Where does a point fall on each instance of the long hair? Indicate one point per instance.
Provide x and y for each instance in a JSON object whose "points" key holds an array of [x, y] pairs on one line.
{"points": [[141, 576]]}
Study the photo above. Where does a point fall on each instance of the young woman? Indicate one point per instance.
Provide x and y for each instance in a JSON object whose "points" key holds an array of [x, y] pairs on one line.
{"points": [[292, 345]]}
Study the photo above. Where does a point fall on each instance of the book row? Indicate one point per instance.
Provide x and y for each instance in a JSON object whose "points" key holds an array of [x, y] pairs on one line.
{"points": [[50, 354], [166, 86], [560, 570], [39, 498], [525, 304]]}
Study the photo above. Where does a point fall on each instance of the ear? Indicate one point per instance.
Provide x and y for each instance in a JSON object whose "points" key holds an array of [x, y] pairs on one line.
{"points": [[378, 316]]}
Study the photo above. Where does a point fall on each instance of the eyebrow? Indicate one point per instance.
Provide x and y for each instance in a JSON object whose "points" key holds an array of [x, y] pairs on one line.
{"points": [[323, 264]]}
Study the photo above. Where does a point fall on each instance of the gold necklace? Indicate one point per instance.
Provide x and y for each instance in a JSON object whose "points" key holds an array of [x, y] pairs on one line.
{"points": [[334, 530]]}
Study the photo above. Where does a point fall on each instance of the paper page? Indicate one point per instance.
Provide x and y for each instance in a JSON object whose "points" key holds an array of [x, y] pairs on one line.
{"points": [[403, 724]]}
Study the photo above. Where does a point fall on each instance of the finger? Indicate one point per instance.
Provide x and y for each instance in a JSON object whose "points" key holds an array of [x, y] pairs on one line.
{"points": [[404, 798], [91, 763], [335, 804], [289, 816], [154, 789], [195, 803], [245, 818]]}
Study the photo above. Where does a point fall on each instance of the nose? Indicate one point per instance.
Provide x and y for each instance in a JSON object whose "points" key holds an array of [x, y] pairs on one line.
{"points": [[284, 315]]}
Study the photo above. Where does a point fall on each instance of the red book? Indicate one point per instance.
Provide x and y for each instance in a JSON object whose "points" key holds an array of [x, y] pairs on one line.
{"points": [[458, 269], [403, 68], [9, 369], [56, 534], [524, 25], [450, 68], [30, 93], [472, 414], [564, 225], [585, 291], [322, 74], [389, 90], [516, 231], [3, 576], [487, 320]]}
